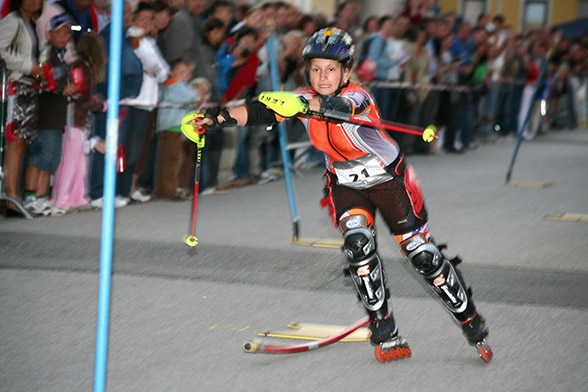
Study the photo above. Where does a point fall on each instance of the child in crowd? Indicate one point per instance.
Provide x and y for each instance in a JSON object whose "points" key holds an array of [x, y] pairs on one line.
{"points": [[177, 99], [202, 85], [45, 149], [69, 188]]}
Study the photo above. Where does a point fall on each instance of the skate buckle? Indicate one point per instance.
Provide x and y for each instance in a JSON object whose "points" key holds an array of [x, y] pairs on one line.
{"points": [[484, 350]]}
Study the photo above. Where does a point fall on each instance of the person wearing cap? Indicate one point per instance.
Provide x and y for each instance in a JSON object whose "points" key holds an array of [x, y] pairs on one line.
{"points": [[365, 173], [84, 14], [45, 149]]}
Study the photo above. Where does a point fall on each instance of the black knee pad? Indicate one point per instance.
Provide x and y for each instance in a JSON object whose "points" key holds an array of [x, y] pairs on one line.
{"points": [[358, 244], [367, 271], [443, 279], [426, 261]]}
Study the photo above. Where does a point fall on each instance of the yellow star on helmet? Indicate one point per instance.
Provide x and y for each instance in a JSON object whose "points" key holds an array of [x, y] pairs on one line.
{"points": [[328, 32]]}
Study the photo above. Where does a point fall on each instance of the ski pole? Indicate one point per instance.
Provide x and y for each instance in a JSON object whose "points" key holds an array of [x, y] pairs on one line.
{"points": [[287, 104], [528, 115], [428, 133], [255, 347], [197, 136]]}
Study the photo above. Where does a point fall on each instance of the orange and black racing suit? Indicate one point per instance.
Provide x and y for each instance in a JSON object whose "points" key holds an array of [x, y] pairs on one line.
{"points": [[365, 168]]}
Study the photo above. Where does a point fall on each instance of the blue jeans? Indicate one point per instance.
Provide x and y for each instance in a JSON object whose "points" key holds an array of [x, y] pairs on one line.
{"points": [[467, 118], [132, 138], [503, 106], [514, 105], [45, 150]]}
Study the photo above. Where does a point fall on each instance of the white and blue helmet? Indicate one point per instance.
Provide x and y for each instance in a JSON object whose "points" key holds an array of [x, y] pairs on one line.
{"points": [[330, 43]]}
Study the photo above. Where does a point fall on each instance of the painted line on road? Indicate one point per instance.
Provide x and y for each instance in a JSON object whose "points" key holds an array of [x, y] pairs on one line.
{"points": [[319, 242], [530, 184], [569, 217], [231, 327]]}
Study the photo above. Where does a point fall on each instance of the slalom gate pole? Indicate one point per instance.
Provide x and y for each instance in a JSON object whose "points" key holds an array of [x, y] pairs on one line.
{"points": [[254, 347], [528, 115], [271, 44], [109, 191]]}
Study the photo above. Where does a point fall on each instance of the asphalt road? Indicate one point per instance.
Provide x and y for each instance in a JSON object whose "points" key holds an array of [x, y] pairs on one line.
{"points": [[179, 316]]}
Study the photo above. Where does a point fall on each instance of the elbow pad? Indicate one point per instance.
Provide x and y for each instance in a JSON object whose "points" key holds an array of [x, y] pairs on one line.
{"points": [[259, 114]]}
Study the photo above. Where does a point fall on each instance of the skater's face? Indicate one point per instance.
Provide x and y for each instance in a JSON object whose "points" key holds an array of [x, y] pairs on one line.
{"points": [[327, 75]]}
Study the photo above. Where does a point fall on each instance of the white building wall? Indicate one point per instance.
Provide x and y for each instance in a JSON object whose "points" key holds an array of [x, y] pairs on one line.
{"points": [[366, 7]]}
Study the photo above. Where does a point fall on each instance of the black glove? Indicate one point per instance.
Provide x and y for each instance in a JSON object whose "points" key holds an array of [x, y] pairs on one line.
{"points": [[213, 114]]}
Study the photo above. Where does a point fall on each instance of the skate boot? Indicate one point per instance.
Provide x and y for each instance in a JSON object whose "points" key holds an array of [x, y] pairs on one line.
{"points": [[475, 331], [389, 345]]}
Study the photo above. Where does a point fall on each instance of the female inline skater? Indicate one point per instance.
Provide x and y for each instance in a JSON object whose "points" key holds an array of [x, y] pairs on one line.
{"points": [[366, 172]]}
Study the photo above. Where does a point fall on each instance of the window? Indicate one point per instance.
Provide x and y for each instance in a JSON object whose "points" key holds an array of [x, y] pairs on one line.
{"points": [[471, 9], [535, 14]]}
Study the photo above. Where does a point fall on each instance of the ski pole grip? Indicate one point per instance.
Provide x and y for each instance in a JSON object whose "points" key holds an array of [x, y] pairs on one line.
{"points": [[285, 103]]}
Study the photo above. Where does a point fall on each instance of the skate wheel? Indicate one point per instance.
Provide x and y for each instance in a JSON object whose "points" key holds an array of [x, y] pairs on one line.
{"points": [[408, 352], [397, 353], [380, 356], [484, 351], [391, 355]]}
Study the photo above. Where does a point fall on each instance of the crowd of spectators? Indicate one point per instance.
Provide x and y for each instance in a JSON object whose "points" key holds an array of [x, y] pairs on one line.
{"points": [[474, 81]]}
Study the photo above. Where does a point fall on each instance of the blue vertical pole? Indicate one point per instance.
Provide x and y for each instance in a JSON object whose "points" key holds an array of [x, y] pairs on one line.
{"points": [[520, 132], [109, 191], [271, 44]]}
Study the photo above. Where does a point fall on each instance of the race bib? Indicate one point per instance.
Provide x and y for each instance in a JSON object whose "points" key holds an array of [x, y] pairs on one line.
{"points": [[361, 173]]}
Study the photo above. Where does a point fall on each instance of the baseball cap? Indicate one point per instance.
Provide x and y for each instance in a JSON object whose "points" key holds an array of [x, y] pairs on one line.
{"points": [[59, 20]]}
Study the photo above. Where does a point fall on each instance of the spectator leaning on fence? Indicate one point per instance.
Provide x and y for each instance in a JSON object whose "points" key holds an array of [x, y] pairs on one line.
{"points": [[155, 72]]}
